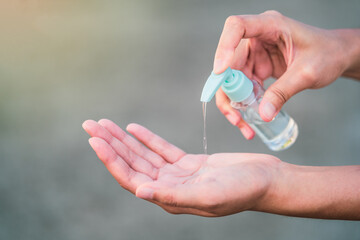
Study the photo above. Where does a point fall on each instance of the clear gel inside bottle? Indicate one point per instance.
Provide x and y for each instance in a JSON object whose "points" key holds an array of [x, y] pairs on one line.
{"points": [[278, 134]]}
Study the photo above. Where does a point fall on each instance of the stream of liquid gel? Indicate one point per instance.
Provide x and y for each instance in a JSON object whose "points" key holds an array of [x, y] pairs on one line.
{"points": [[204, 138]]}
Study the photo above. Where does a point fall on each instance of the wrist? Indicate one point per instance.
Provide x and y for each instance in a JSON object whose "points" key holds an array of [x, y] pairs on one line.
{"points": [[349, 40], [297, 191], [316, 192], [277, 194]]}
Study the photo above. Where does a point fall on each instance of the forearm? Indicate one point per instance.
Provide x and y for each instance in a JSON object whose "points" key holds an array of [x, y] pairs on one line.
{"points": [[315, 192], [350, 44]]}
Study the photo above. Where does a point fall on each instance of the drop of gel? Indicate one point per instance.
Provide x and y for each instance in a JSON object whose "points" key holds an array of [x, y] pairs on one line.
{"points": [[204, 137]]}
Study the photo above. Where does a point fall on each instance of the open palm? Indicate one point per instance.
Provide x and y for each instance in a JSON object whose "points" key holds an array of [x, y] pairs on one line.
{"points": [[206, 185]]}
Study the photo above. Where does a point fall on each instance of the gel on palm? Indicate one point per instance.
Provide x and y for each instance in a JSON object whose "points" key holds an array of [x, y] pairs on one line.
{"points": [[245, 96]]}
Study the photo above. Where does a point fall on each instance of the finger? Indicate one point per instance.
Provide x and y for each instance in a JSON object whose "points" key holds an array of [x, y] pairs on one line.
{"points": [[223, 103], [237, 28], [290, 83], [124, 175], [233, 115], [132, 143], [277, 59], [246, 130], [248, 69], [168, 151], [133, 160], [263, 66], [241, 55]]}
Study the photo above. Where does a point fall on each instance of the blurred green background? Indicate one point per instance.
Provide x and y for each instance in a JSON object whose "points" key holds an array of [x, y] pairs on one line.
{"points": [[62, 62]]}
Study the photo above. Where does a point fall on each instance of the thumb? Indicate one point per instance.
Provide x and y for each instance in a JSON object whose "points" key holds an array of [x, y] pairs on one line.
{"points": [[279, 93]]}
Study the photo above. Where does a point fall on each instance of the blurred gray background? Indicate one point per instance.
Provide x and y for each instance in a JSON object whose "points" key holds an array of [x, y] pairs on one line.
{"points": [[62, 62]]}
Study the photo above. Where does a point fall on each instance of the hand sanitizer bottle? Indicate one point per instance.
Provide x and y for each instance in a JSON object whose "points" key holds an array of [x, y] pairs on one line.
{"points": [[246, 95]]}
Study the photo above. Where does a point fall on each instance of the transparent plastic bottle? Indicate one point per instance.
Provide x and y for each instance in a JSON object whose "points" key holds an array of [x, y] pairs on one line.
{"points": [[246, 95], [278, 134]]}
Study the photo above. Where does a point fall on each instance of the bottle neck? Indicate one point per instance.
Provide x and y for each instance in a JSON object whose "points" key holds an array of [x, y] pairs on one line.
{"points": [[249, 100], [245, 103]]}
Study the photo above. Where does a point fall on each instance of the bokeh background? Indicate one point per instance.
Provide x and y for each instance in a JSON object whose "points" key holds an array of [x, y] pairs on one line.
{"points": [[62, 62]]}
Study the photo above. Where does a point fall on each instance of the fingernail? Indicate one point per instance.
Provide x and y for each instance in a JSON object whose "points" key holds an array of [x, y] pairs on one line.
{"points": [[269, 110], [218, 65], [145, 193], [232, 119]]}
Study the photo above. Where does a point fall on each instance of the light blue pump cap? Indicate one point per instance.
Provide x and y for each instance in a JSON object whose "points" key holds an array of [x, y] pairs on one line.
{"points": [[238, 87], [234, 84]]}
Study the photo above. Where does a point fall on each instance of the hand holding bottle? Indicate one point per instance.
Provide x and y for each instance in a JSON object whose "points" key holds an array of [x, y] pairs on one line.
{"points": [[298, 55], [245, 95]]}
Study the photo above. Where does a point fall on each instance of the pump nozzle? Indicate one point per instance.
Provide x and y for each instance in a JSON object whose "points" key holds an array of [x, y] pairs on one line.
{"points": [[213, 83], [234, 84]]}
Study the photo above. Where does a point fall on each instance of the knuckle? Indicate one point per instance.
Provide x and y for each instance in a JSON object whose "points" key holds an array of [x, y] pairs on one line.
{"points": [[221, 106], [273, 13], [308, 74], [222, 110], [233, 20], [280, 94], [275, 18]]}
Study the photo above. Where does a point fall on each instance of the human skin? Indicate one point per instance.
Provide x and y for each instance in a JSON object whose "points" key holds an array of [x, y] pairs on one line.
{"points": [[221, 184], [299, 56]]}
